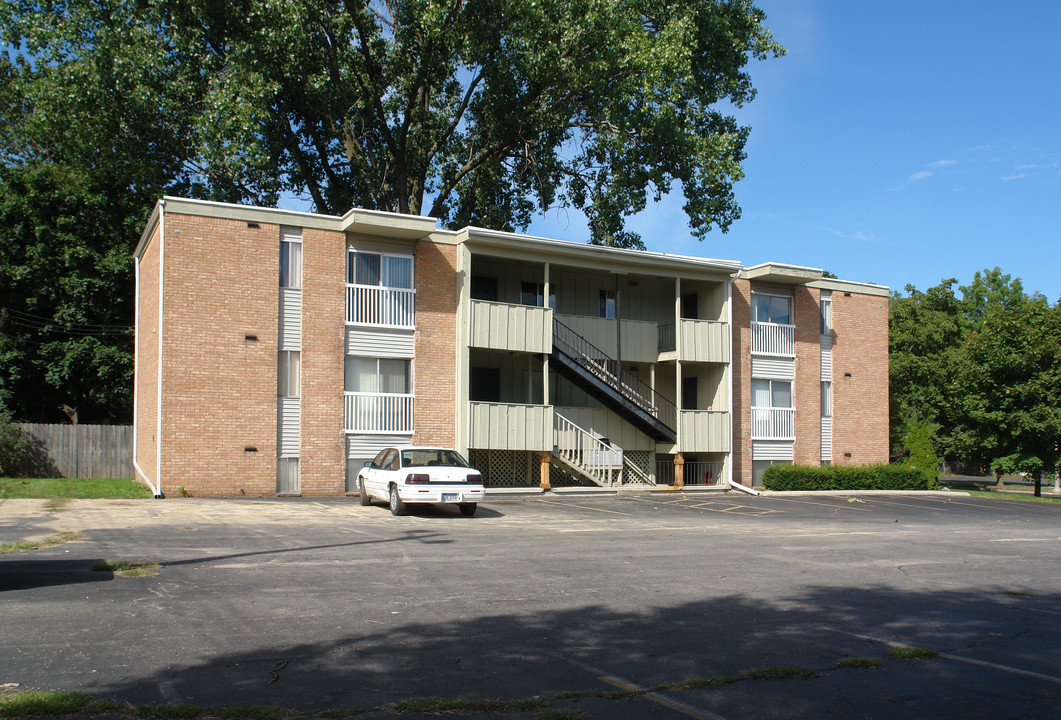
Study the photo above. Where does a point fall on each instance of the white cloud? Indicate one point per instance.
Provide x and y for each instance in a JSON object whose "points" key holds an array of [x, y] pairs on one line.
{"points": [[942, 163], [920, 176], [1018, 176]]}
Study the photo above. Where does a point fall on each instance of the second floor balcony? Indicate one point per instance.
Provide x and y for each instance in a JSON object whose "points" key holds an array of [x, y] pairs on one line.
{"points": [[773, 339], [379, 413], [380, 305], [773, 423]]}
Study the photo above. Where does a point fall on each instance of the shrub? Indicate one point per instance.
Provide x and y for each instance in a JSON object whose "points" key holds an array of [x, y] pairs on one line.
{"points": [[846, 477], [14, 446]]}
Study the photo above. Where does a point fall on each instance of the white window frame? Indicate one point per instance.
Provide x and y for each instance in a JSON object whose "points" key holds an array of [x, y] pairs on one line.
{"points": [[292, 263]]}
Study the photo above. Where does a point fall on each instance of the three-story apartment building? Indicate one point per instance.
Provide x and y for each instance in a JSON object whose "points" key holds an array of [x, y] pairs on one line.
{"points": [[278, 351]]}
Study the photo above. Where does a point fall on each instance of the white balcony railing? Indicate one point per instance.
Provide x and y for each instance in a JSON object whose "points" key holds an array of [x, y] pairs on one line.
{"points": [[379, 305], [383, 413], [773, 339], [773, 424]]}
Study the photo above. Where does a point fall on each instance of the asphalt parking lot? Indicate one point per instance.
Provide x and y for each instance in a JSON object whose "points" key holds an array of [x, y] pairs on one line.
{"points": [[317, 604]]}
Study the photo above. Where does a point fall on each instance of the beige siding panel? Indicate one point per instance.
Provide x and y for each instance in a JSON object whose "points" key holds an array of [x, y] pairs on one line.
{"points": [[705, 341], [773, 368], [604, 423], [640, 338], [380, 342], [827, 439], [359, 446], [503, 426], [290, 319], [772, 450], [827, 359], [288, 426], [519, 328], [703, 431]]}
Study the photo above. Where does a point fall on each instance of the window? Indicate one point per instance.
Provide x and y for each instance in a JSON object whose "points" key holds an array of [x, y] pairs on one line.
{"points": [[691, 306], [826, 314], [772, 393], [368, 268], [484, 288], [689, 394], [827, 398], [377, 375], [531, 293], [290, 262], [607, 304], [771, 309], [289, 363]]}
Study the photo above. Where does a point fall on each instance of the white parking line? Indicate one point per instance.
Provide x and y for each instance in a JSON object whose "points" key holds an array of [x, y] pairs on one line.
{"points": [[677, 705], [958, 658]]}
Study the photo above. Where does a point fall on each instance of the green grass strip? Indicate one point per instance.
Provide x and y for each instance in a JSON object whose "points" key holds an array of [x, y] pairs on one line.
{"points": [[780, 672], [83, 488], [126, 568], [456, 705], [903, 652], [55, 704], [859, 662], [59, 539], [1019, 497]]}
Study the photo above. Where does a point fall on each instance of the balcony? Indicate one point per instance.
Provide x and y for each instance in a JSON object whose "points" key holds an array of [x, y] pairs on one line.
{"points": [[379, 413], [510, 426], [380, 306], [773, 339], [704, 431], [773, 423], [517, 328], [704, 341]]}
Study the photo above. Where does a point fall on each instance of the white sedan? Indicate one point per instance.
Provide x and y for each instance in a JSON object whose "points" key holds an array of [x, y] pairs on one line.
{"points": [[405, 475]]}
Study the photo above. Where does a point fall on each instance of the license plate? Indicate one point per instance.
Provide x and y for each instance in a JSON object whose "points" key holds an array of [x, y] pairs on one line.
{"points": [[450, 497]]}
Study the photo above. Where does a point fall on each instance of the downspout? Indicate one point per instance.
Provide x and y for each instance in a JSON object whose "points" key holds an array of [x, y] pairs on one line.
{"points": [[136, 372]]}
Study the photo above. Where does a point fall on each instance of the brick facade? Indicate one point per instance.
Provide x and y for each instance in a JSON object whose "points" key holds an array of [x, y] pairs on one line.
{"points": [[221, 284], [806, 391], [145, 453], [741, 369], [860, 379], [436, 344], [322, 461]]}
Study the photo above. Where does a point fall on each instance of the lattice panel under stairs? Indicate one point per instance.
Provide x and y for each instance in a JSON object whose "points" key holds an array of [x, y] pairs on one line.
{"points": [[504, 468], [560, 477], [642, 460]]}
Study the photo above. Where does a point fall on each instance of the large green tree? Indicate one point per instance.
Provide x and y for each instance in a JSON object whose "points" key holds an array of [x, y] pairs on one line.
{"points": [[473, 111], [984, 369]]}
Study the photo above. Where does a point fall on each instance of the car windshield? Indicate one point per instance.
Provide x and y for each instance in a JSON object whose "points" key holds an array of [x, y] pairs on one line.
{"points": [[421, 457]]}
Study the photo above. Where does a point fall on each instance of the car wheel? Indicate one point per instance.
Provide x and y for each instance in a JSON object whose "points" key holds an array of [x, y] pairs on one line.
{"points": [[467, 509], [364, 499], [397, 504]]}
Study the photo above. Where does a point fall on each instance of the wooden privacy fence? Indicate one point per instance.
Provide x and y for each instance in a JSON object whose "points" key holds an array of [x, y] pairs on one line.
{"points": [[83, 451]]}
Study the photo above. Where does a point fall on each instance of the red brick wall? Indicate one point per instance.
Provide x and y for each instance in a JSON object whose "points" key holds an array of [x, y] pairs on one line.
{"points": [[741, 369], [806, 393], [860, 379], [435, 377], [323, 464], [146, 449], [219, 389]]}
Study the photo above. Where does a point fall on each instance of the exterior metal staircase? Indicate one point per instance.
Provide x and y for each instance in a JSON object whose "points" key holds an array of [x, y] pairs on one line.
{"points": [[583, 453], [600, 375]]}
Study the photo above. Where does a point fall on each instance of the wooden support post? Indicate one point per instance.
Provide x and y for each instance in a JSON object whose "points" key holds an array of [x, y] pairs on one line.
{"points": [[679, 471], [545, 471]]}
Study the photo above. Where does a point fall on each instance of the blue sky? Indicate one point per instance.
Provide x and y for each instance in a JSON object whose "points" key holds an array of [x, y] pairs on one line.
{"points": [[897, 143]]}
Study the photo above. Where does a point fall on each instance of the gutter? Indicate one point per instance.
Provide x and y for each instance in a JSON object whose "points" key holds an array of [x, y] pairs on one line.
{"points": [[743, 488], [161, 295]]}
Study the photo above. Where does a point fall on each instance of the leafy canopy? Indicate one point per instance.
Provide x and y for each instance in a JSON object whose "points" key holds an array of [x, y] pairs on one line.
{"points": [[472, 111]]}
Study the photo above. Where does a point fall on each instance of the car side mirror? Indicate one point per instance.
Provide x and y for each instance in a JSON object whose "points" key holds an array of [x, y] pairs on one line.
{"points": [[370, 464]]}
